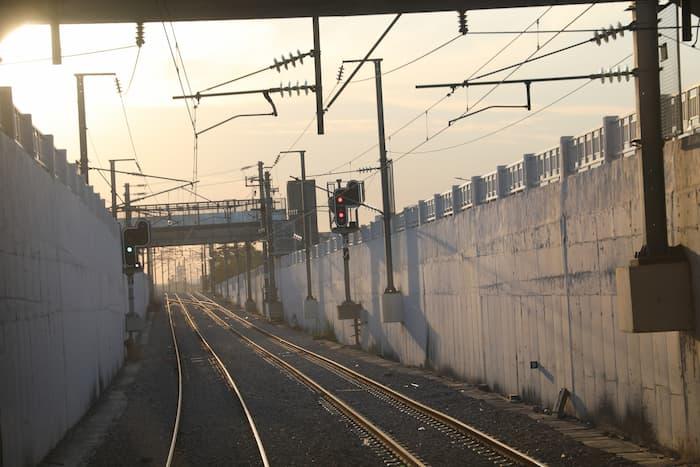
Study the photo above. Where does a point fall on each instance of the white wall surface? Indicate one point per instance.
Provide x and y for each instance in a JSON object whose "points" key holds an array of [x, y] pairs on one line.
{"points": [[62, 304], [531, 277]]}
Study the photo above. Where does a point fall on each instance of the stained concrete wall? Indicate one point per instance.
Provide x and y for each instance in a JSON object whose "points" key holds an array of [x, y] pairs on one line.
{"points": [[530, 277], [62, 301]]}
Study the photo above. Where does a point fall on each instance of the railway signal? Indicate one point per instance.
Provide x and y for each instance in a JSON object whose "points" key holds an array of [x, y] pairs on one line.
{"points": [[132, 239], [340, 208]]}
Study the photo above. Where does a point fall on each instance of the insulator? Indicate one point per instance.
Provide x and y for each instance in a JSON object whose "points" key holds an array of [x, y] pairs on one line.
{"points": [[306, 88], [462, 20], [292, 60], [277, 65], [139, 35], [285, 63], [301, 57], [289, 88], [119, 86], [281, 89], [341, 70]]}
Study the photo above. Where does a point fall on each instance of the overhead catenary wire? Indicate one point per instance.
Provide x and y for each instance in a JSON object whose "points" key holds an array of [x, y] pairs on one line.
{"points": [[509, 125], [94, 150], [446, 96], [77, 54], [412, 61], [445, 128]]}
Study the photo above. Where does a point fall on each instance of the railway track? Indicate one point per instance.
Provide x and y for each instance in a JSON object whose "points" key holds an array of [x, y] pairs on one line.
{"points": [[222, 369], [401, 455], [458, 432]]}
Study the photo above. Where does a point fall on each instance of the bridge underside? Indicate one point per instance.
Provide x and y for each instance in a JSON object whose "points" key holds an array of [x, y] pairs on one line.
{"points": [[110, 11], [205, 234]]}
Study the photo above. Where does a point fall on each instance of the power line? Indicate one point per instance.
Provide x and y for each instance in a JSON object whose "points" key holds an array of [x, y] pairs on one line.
{"points": [[78, 54], [179, 78], [445, 128], [509, 125], [518, 66], [439, 101], [97, 155], [359, 65], [411, 62], [133, 71]]}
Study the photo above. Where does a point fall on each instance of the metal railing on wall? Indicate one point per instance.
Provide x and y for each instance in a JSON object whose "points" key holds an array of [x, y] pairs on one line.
{"points": [[40, 148], [615, 139]]}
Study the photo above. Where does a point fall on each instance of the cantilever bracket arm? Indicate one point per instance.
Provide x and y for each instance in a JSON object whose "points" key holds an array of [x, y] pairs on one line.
{"points": [[527, 106], [265, 94]]}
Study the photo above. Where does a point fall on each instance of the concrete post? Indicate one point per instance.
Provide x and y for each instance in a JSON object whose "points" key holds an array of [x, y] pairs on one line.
{"points": [[501, 181], [71, 174], [7, 113], [26, 133], [566, 156], [439, 206], [60, 165], [422, 212], [48, 154], [477, 191], [457, 200], [612, 144], [530, 173]]}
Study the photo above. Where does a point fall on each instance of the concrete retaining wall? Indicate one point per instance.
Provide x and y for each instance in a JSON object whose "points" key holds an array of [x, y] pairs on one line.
{"points": [[62, 301], [530, 277]]}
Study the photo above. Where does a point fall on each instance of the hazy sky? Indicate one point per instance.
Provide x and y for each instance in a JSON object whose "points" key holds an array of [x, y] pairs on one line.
{"points": [[216, 51]]}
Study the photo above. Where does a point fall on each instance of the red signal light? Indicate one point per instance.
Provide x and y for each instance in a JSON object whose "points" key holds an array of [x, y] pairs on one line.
{"points": [[339, 200], [341, 214]]}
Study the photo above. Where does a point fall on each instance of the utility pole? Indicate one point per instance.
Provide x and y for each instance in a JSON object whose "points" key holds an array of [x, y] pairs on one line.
{"points": [[274, 305], [263, 227], [162, 272], [113, 182], [310, 304], [392, 301], [227, 271], [352, 307], [82, 125], [646, 44], [212, 266], [249, 302], [237, 253]]}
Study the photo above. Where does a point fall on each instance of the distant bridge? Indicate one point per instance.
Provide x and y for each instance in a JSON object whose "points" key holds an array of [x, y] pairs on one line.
{"points": [[202, 223]]}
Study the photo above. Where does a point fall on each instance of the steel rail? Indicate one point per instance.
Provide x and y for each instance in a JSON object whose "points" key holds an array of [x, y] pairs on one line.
{"points": [[230, 381], [389, 442], [448, 420], [176, 425]]}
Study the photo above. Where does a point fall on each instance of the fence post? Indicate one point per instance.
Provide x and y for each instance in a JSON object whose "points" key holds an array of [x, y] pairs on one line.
{"points": [[566, 157], [439, 206], [7, 112], [501, 181], [530, 173], [48, 154], [422, 212], [477, 191], [26, 134]]}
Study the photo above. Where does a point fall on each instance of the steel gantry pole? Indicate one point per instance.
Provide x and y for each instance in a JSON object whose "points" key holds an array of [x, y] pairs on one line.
{"points": [[237, 256], [113, 182], [274, 305], [392, 301], [249, 302], [384, 168], [310, 303], [646, 45], [82, 125], [263, 227]]}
